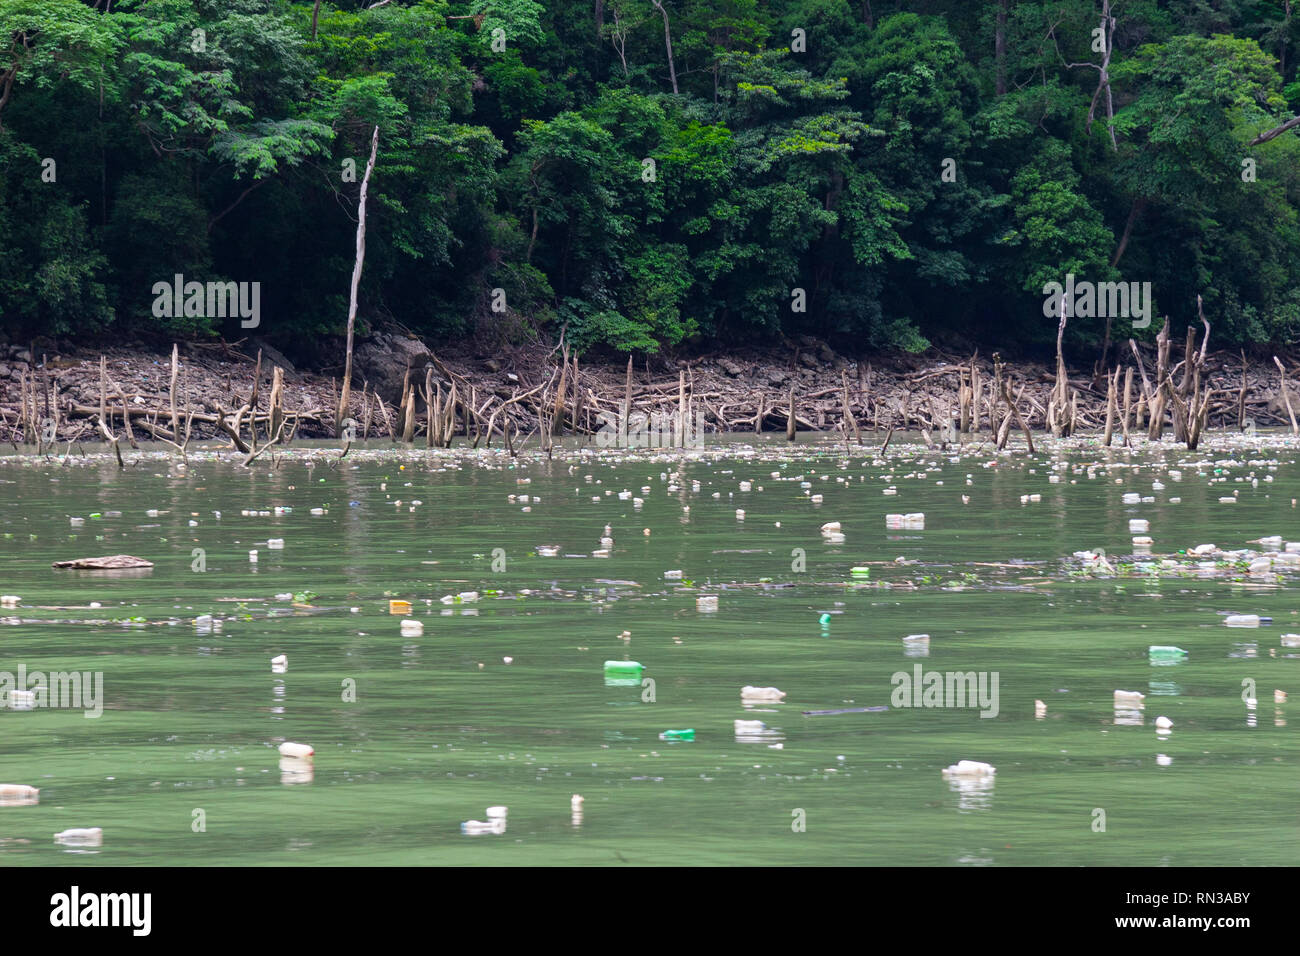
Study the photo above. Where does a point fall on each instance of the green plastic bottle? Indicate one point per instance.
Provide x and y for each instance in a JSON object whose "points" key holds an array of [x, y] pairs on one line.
{"points": [[688, 734], [623, 668], [1166, 652]]}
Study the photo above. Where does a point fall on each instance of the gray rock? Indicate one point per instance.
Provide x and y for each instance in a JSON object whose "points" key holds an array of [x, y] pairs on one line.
{"points": [[5, 371], [272, 355], [383, 360], [22, 355], [776, 376], [730, 367], [808, 359]]}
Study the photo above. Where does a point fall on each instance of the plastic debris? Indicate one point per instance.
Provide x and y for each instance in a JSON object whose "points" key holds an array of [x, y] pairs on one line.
{"points": [[761, 693], [302, 751], [969, 768], [89, 836], [18, 795]]}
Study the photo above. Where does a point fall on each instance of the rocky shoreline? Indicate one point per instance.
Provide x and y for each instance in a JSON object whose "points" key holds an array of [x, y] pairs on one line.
{"points": [[59, 396]]}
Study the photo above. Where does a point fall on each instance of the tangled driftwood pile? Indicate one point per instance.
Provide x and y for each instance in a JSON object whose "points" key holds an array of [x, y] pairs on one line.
{"points": [[258, 401]]}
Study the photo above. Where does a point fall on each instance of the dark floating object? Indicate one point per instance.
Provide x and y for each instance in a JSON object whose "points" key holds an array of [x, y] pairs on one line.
{"points": [[845, 710], [111, 562]]}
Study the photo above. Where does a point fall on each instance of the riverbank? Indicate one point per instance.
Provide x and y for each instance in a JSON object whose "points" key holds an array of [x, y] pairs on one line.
{"points": [[219, 390]]}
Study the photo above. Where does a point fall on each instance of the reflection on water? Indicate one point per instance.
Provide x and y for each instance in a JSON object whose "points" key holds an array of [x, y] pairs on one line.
{"points": [[973, 793]]}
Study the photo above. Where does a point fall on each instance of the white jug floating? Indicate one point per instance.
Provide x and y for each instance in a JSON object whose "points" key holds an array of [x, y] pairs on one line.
{"points": [[288, 749], [970, 768]]}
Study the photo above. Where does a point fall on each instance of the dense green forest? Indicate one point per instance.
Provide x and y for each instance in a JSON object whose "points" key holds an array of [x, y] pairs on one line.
{"points": [[650, 175]]}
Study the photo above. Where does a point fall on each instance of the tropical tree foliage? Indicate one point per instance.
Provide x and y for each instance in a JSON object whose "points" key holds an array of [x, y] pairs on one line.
{"points": [[650, 175]]}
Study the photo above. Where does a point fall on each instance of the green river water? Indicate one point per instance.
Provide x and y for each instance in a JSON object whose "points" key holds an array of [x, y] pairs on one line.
{"points": [[181, 767]]}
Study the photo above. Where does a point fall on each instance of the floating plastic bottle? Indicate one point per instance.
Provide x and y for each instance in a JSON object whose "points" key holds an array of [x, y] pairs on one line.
{"points": [[688, 734], [1166, 652], [18, 795], [87, 836], [624, 668], [623, 673], [1246, 620], [761, 693]]}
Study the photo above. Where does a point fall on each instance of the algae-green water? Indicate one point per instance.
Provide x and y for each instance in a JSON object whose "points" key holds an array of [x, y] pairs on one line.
{"points": [[414, 735]]}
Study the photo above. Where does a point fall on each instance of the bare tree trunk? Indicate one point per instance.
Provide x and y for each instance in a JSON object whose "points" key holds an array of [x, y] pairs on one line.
{"points": [[1286, 396], [668, 43], [346, 394]]}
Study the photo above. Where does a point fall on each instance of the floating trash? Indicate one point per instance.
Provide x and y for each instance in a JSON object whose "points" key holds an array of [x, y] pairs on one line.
{"points": [[1129, 697], [672, 575], [302, 751], [275, 544], [1279, 697], [624, 669], [480, 827], [1244, 620], [88, 836], [907, 522], [9, 600], [22, 699], [1040, 710], [412, 628], [399, 607], [755, 732], [1160, 653], [1163, 723], [706, 602], [279, 664], [252, 556], [761, 693], [969, 768], [1290, 640], [295, 770], [18, 795], [688, 734]]}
